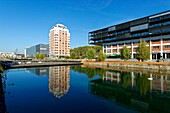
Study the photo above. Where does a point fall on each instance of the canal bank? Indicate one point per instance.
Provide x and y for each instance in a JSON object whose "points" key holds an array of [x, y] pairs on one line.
{"points": [[15, 64], [143, 67]]}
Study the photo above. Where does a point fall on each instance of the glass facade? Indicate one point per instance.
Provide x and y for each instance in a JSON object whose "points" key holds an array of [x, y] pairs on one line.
{"points": [[40, 48], [154, 25]]}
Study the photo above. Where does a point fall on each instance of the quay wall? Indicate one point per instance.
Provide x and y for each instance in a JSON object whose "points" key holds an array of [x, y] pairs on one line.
{"points": [[144, 68]]}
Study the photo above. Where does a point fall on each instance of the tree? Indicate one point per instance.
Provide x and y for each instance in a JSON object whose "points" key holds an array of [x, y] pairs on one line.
{"points": [[125, 53], [41, 56], [76, 57], [37, 56], [82, 51], [73, 54], [101, 56], [143, 52], [91, 54]]}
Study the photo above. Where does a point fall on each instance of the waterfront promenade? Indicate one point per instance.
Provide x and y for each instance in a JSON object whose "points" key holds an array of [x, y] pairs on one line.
{"points": [[25, 64]]}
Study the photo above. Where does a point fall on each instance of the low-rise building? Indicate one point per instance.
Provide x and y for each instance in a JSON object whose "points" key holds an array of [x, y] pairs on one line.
{"points": [[31, 51]]}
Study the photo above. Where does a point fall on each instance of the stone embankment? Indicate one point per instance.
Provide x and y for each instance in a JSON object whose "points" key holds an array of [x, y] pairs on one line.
{"points": [[145, 67]]}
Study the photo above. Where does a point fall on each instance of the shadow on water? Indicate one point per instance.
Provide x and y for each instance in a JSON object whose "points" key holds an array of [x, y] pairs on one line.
{"points": [[133, 90], [2, 98]]}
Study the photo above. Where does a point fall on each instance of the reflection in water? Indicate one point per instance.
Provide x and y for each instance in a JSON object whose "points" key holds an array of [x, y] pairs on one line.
{"points": [[41, 71], [2, 97], [134, 90], [59, 80], [139, 81]]}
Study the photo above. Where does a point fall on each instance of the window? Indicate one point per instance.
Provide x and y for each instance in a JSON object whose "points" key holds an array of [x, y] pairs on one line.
{"points": [[136, 48], [156, 31], [167, 46], [166, 40], [114, 50], [121, 44], [135, 42], [155, 25], [155, 40], [108, 46], [166, 23], [166, 30], [109, 51], [155, 47]]}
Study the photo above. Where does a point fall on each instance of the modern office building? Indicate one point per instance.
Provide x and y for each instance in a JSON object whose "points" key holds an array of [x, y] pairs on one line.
{"points": [[31, 51], [59, 80], [59, 41], [154, 29]]}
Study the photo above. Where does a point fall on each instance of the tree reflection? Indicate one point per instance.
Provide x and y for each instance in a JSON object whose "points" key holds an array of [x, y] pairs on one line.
{"points": [[127, 88], [143, 84], [125, 79], [90, 72]]}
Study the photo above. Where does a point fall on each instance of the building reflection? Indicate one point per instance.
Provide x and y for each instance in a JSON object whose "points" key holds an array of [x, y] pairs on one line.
{"points": [[160, 83], [134, 90], [59, 80], [40, 71]]}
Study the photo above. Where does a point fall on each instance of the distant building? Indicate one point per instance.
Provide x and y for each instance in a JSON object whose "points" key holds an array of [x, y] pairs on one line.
{"points": [[59, 41], [33, 50], [154, 29], [7, 55]]}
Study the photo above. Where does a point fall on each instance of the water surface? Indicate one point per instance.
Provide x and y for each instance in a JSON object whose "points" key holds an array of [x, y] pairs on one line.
{"points": [[76, 89]]}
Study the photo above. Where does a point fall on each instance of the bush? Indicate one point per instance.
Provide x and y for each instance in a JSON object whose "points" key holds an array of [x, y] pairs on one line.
{"points": [[66, 57], [76, 57], [91, 54], [101, 56]]}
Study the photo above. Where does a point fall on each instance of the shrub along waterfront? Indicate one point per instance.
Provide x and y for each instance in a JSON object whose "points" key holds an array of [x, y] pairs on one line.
{"points": [[89, 52]]}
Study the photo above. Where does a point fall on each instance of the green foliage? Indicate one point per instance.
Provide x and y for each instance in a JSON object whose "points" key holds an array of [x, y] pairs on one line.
{"points": [[41, 56], [91, 54], [73, 54], [126, 79], [59, 57], [144, 84], [101, 56], [66, 57], [81, 52], [37, 56], [143, 52], [76, 57], [1, 68], [91, 72], [125, 53]]}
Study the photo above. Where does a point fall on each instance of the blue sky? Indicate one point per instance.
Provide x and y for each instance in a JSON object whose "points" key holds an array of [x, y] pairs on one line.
{"points": [[27, 22]]}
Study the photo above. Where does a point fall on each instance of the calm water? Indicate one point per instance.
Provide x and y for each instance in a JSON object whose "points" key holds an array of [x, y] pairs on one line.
{"points": [[78, 89]]}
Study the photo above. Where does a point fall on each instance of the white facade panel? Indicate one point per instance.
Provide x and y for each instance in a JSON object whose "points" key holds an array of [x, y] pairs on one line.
{"points": [[139, 27]]}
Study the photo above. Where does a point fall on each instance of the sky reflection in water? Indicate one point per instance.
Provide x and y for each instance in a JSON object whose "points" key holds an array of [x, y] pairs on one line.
{"points": [[79, 89]]}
